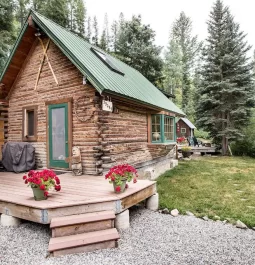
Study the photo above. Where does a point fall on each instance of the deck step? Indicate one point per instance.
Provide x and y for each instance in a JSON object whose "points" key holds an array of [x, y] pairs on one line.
{"points": [[83, 242], [81, 218], [82, 223]]}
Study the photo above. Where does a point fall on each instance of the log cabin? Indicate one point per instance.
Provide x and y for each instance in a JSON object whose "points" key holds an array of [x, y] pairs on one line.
{"points": [[63, 92]]}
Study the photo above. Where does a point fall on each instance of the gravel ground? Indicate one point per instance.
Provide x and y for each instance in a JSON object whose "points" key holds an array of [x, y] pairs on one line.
{"points": [[153, 238]]}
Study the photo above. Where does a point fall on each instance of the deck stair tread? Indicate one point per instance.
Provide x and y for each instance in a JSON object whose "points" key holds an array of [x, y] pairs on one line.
{"points": [[84, 239], [82, 218]]}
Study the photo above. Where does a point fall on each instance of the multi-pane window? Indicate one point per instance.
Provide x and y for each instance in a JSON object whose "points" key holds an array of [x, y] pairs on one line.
{"points": [[29, 124], [183, 130], [162, 129], [156, 128], [168, 128]]}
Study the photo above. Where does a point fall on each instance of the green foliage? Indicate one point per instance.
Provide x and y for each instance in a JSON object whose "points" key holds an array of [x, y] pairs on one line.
{"points": [[206, 187], [184, 49], [57, 10], [105, 38], [136, 48], [77, 16], [173, 71], [227, 89], [95, 32], [186, 148], [22, 7], [246, 145], [201, 134], [7, 30]]}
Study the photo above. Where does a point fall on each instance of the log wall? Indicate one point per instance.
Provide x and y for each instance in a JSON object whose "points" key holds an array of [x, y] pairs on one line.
{"points": [[70, 86], [125, 137]]}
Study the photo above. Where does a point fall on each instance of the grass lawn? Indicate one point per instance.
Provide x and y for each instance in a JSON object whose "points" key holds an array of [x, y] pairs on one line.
{"points": [[212, 186]]}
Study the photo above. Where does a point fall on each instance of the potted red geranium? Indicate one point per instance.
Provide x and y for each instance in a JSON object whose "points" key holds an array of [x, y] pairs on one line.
{"points": [[119, 175], [41, 182]]}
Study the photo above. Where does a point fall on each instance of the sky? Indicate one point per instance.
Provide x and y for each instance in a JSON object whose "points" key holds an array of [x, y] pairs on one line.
{"points": [[160, 14]]}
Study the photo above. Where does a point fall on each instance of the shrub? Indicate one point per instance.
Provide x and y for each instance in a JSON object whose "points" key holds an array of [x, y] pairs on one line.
{"points": [[186, 148], [246, 145]]}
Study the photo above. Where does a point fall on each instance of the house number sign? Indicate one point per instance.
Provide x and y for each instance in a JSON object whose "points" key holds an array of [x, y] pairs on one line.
{"points": [[107, 105]]}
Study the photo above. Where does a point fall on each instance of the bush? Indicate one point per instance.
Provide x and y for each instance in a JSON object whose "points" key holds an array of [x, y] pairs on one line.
{"points": [[202, 134], [186, 149], [246, 145]]}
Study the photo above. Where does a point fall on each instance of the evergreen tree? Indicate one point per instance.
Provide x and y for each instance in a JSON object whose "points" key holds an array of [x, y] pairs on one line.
{"points": [[88, 31], [22, 7], [182, 34], [114, 36], [227, 90], [135, 46], [77, 17], [7, 34], [38, 5], [57, 10], [173, 71], [105, 39], [95, 32]]}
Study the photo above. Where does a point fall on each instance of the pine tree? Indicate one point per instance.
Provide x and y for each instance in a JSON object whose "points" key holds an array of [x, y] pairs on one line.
{"points": [[135, 46], [105, 39], [95, 32], [22, 7], [38, 5], [227, 90], [181, 33], [7, 34], [57, 10], [88, 31], [77, 14], [173, 71], [114, 36]]}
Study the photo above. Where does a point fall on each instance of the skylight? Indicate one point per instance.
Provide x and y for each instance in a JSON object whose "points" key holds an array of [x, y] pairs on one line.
{"points": [[107, 61]]}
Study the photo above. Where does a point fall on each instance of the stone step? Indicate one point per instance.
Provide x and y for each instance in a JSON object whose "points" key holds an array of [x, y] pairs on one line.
{"points": [[84, 242], [82, 223]]}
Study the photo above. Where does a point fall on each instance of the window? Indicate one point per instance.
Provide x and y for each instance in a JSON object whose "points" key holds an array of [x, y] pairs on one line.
{"points": [[106, 60], [29, 133], [183, 130], [162, 129]]}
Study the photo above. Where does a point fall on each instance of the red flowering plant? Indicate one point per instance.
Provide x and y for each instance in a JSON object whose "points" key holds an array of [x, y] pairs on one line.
{"points": [[121, 173], [180, 140], [44, 180]]}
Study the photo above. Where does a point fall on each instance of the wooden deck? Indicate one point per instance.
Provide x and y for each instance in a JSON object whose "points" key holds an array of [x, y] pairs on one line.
{"points": [[79, 194], [201, 149]]}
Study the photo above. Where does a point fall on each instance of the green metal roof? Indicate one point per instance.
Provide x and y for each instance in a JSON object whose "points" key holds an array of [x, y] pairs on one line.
{"points": [[132, 85]]}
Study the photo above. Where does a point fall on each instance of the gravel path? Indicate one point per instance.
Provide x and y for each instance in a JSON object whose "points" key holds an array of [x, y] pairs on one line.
{"points": [[153, 238]]}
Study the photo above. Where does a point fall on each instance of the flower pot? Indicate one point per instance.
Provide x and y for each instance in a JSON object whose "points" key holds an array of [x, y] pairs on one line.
{"points": [[39, 194], [186, 154], [122, 186]]}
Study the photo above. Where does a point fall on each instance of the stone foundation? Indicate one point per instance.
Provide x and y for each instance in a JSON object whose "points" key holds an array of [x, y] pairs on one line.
{"points": [[154, 169]]}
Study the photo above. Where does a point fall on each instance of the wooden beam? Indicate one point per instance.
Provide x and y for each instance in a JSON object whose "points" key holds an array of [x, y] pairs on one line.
{"points": [[41, 65], [47, 58]]}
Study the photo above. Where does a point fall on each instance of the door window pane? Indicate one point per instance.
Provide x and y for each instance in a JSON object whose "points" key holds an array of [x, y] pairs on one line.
{"points": [[58, 134]]}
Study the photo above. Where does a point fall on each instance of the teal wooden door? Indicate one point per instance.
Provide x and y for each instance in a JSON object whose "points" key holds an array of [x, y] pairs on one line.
{"points": [[58, 135]]}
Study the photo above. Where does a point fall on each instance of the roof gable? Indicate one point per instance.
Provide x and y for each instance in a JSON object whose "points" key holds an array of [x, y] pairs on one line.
{"points": [[118, 79], [189, 123]]}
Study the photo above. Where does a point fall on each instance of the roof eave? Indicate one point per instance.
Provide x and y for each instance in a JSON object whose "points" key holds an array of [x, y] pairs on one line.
{"points": [[143, 102]]}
